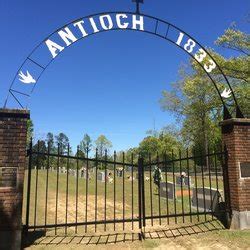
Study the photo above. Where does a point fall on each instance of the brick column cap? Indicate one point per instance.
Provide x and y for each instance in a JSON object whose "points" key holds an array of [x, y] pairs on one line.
{"points": [[236, 121], [15, 113]]}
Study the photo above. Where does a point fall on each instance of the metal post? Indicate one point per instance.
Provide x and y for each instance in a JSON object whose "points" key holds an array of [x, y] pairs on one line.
{"points": [[141, 197], [137, 8], [138, 2], [28, 188], [228, 210]]}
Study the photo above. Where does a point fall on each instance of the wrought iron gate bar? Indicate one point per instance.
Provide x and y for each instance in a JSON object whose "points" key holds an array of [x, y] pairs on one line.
{"points": [[196, 186], [183, 159], [57, 183], [67, 188], [166, 182], [47, 184], [81, 158], [175, 215], [100, 222], [189, 191]]}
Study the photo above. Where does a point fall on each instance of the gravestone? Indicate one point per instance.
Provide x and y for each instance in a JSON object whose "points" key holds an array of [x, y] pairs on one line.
{"points": [[129, 169], [83, 173], [101, 176], [185, 180], [75, 173], [206, 200], [167, 190], [119, 172]]}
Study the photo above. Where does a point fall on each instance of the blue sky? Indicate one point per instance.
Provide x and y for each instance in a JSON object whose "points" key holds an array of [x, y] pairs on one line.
{"points": [[110, 83]]}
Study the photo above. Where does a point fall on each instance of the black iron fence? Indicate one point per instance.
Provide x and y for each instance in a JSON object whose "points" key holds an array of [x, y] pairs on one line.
{"points": [[69, 194]]}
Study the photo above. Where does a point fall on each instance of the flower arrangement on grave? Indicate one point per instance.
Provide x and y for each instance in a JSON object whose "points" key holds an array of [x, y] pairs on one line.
{"points": [[157, 176]]}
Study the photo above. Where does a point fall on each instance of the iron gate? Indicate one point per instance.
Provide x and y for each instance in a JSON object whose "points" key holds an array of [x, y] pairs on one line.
{"points": [[75, 194]]}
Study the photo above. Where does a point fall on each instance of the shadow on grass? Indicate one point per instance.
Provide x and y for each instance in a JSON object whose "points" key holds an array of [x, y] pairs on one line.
{"points": [[40, 237]]}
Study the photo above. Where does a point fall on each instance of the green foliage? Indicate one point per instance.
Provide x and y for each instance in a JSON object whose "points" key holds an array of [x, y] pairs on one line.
{"points": [[30, 131], [63, 141], [194, 101], [149, 145], [50, 140], [86, 144], [102, 145], [237, 68], [80, 154], [236, 40], [39, 161]]}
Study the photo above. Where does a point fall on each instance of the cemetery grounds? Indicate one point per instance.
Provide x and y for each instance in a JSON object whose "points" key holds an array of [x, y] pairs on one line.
{"points": [[174, 232]]}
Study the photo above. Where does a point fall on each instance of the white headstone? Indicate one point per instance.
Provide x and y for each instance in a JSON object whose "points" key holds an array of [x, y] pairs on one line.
{"points": [[119, 172], [101, 176]]}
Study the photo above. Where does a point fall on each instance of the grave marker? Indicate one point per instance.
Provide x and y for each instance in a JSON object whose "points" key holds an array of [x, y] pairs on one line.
{"points": [[119, 172], [101, 176], [167, 190], [206, 200], [185, 180]]}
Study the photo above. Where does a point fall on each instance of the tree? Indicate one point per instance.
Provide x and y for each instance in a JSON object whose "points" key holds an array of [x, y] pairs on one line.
{"points": [[102, 144], [196, 106], [161, 143], [237, 68], [149, 146], [86, 144], [63, 141], [50, 142], [50, 139], [80, 153], [170, 141], [194, 101], [30, 130], [39, 160], [236, 40], [131, 154]]}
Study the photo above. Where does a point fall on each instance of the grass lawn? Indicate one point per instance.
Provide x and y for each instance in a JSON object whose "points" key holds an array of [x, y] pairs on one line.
{"points": [[217, 239], [73, 208], [169, 235]]}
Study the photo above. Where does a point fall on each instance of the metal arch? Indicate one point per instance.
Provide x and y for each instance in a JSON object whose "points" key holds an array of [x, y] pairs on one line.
{"points": [[226, 112]]}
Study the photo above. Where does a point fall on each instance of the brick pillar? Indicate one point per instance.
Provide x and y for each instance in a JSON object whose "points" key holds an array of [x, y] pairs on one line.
{"points": [[13, 134], [236, 137]]}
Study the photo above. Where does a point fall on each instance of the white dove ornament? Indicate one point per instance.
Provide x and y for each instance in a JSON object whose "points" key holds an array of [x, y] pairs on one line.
{"points": [[27, 79], [226, 93]]}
